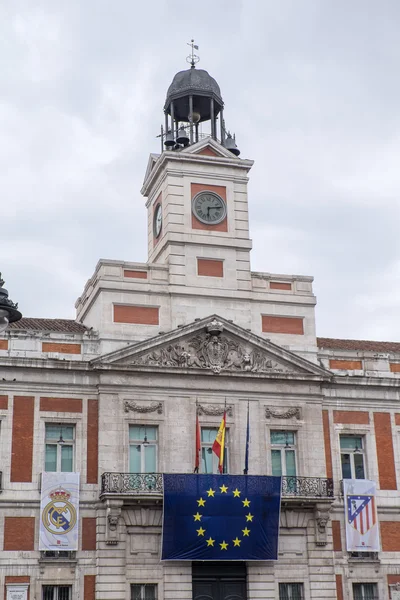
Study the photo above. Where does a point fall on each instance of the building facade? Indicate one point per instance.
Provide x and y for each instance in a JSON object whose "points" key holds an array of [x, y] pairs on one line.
{"points": [[114, 396]]}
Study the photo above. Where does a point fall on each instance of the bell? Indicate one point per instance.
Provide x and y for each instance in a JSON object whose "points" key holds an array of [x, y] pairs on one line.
{"points": [[230, 144], [182, 136], [169, 139]]}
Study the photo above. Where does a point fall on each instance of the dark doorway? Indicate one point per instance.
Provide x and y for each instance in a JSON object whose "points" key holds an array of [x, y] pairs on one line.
{"points": [[219, 581]]}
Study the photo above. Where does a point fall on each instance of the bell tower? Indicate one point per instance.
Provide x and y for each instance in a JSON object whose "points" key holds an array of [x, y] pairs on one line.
{"points": [[196, 189]]}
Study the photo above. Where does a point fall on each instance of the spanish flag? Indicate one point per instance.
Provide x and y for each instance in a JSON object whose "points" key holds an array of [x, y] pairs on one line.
{"points": [[219, 444]]}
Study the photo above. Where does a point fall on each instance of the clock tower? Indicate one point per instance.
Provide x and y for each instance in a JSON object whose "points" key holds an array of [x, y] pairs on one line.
{"points": [[199, 246], [196, 191]]}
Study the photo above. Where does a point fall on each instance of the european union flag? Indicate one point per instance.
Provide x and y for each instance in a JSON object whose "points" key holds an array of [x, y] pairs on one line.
{"points": [[221, 517]]}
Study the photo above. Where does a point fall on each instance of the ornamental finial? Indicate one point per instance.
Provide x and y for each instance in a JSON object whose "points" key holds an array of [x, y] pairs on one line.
{"points": [[193, 58]]}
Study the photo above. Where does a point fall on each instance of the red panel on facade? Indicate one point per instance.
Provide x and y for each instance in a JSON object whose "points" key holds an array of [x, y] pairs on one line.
{"points": [[22, 439], [92, 441], [384, 450]]}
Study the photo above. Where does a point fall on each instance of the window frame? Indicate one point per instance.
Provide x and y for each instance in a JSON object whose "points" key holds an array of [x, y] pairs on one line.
{"points": [[351, 452], [139, 442], [142, 590], [290, 596], [48, 441], [283, 449], [363, 596], [56, 588], [209, 445]]}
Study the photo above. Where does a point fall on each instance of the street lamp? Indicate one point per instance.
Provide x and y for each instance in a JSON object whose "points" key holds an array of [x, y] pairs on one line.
{"points": [[8, 309]]}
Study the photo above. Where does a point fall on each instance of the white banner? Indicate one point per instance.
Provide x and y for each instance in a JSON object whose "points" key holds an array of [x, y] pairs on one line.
{"points": [[361, 515], [59, 511]]}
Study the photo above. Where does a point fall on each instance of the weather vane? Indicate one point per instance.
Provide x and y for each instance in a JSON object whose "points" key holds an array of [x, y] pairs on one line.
{"points": [[193, 58]]}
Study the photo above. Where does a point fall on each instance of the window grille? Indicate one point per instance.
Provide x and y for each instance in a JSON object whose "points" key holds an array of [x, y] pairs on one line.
{"points": [[57, 592], [291, 591], [143, 591], [365, 591]]}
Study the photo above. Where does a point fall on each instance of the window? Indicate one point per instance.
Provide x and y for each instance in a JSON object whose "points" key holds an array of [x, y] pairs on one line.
{"points": [[352, 456], [143, 591], [365, 591], [142, 449], [291, 591], [57, 592], [209, 460], [58, 555], [283, 453], [59, 455]]}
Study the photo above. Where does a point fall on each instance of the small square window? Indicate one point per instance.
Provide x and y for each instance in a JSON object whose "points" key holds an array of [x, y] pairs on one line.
{"points": [[365, 591], [57, 592], [291, 591], [143, 591]]}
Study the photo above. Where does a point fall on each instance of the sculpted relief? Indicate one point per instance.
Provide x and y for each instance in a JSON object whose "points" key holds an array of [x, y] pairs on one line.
{"points": [[212, 350]]}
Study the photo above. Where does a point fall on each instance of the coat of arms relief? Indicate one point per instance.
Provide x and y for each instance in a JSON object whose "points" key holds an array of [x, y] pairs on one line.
{"points": [[213, 350]]}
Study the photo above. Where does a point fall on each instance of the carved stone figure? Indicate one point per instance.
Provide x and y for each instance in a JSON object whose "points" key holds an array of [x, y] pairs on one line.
{"points": [[321, 521], [212, 410], [212, 350]]}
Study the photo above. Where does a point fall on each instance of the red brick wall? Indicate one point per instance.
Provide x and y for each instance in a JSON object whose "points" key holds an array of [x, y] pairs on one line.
{"points": [[327, 443], [73, 405], [19, 533], [217, 189], [395, 367], [274, 324], [22, 439], [384, 449], [397, 418], [392, 579], [339, 587], [207, 151], [390, 536], [4, 402], [336, 535], [135, 274], [3, 344], [61, 348], [141, 315], [351, 417], [89, 533], [279, 285], [89, 587], [345, 365], [92, 442], [210, 268]]}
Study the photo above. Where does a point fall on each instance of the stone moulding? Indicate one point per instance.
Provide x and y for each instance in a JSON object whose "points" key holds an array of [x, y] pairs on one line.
{"points": [[134, 407], [213, 410], [290, 413]]}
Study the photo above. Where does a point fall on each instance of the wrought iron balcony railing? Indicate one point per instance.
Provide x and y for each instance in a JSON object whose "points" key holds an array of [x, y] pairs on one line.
{"points": [[151, 484]]}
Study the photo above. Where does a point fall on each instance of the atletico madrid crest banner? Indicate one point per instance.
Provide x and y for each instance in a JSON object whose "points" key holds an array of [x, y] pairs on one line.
{"points": [[59, 511], [221, 517], [361, 517]]}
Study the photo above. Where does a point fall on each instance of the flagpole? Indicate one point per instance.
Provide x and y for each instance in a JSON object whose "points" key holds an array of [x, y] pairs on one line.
{"points": [[197, 442], [246, 458]]}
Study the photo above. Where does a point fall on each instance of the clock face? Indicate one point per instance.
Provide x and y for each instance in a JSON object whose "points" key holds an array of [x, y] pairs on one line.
{"points": [[157, 220], [209, 208]]}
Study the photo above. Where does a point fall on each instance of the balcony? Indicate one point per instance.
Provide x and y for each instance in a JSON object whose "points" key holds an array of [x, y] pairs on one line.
{"points": [[151, 485]]}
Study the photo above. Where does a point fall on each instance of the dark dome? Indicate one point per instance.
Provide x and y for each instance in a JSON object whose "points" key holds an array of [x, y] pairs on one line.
{"points": [[195, 82]]}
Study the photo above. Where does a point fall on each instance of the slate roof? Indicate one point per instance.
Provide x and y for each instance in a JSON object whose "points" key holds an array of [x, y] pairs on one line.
{"points": [[61, 325], [366, 345]]}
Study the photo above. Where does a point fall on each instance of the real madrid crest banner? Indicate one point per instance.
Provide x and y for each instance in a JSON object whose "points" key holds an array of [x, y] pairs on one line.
{"points": [[221, 517], [59, 511], [361, 517]]}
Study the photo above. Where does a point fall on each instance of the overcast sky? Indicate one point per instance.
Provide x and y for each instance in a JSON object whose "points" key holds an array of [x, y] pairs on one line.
{"points": [[311, 88]]}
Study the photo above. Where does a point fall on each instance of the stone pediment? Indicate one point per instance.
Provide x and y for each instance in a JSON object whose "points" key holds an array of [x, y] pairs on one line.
{"points": [[211, 345]]}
